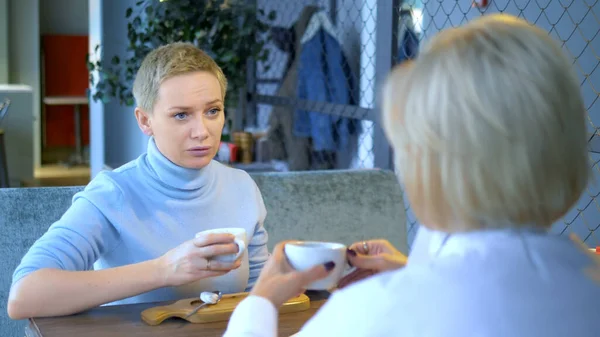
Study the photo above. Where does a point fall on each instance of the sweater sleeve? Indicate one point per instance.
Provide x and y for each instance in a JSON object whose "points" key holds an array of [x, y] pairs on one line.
{"points": [[80, 236], [258, 253]]}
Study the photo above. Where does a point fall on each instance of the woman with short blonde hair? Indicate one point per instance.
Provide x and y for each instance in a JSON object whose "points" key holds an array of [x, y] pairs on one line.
{"points": [[489, 136], [132, 235], [482, 148]]}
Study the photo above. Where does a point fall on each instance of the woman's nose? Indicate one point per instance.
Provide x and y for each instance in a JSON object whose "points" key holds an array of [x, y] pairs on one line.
{"points": [[199, 129]]}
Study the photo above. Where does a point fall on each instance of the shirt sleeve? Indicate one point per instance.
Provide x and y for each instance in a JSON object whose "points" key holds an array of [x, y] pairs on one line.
{"points": [[255, 316], [347, 312], [343, 314], [80, 236], [258, 252]]}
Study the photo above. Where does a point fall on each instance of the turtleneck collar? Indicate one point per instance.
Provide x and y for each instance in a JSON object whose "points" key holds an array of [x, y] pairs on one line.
{"points": [[173, 176]]}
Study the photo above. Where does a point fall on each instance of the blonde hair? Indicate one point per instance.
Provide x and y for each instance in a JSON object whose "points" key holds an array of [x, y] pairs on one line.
{"points": [[488, 126], [167, 61]]}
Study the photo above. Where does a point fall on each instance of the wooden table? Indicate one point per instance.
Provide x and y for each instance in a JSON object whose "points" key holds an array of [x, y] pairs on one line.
{"points": [[124, 320]]}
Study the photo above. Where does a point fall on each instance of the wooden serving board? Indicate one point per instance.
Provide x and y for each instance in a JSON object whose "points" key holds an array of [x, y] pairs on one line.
{"points": [[215, 312]]}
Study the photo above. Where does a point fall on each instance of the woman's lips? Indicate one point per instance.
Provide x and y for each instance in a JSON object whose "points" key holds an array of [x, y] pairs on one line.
{"points": [[200, 151]]}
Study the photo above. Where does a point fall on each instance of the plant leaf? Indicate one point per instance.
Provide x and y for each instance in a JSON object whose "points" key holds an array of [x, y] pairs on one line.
{"points": [[228, 56], [230, 35]]}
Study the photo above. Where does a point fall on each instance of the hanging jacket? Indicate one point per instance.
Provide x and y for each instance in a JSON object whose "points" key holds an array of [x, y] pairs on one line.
{"points": [[324, 75], [282, 143]]}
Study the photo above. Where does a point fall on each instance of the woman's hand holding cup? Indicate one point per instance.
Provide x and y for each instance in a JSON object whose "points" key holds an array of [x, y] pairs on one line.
{"points": [[207, 255], [278, 281], [371, 257]]}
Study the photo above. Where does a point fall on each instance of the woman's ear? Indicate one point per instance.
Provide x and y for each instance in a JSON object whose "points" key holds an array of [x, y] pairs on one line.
{"points": [[143, 120]]}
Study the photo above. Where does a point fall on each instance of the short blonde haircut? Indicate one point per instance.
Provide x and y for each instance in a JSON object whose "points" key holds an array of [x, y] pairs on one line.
{"points": [[488, 126], [167, 61]]}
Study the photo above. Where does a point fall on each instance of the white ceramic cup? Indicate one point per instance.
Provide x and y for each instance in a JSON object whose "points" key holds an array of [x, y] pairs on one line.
{"points": [[303, 255], [240, 241]]}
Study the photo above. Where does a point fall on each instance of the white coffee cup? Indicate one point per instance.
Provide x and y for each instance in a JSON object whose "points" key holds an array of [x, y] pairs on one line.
{"points": [[240, 241], [303, 255]]}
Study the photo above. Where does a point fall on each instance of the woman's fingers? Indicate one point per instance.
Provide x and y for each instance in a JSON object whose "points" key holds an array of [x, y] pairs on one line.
{"points": [[358, 247], [373, 247], [369, 246], [212, 239], [306, 277], [220, 266], [376, 262], [217, 249], [381, 262], [212, 273]]}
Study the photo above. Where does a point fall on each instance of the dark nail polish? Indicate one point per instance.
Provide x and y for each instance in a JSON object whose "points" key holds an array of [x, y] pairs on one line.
{"points": [[329, 265], [351, 252]]}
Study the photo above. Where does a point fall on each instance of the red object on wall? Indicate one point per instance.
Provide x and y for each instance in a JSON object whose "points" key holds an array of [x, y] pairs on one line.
{"points": [[480, 3], [65, 74]]}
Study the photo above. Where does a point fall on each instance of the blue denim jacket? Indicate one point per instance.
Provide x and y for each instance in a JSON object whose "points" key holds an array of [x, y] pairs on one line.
{"points": [[325, 76]]}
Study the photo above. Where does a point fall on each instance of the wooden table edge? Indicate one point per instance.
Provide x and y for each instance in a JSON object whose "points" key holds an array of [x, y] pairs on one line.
{"points": [[318, 299]]}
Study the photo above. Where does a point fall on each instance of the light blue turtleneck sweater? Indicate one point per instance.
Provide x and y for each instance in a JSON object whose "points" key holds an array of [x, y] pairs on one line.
{"points": [[146, 207]]}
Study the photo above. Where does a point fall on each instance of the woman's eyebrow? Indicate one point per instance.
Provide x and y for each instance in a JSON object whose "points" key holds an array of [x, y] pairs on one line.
{"points": [[179, 108], [214, 101]]}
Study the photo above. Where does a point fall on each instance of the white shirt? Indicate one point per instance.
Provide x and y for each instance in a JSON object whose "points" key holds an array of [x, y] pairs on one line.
{"points": [[496, 283]]}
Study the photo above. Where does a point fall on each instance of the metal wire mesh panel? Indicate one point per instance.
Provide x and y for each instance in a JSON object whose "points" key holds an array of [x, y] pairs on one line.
{"points": [[308, 107], [315, 93], [575, 24]]}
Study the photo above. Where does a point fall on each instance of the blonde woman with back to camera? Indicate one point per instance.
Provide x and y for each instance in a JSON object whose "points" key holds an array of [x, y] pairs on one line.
{"points": [[488, 128], [130, 236]]}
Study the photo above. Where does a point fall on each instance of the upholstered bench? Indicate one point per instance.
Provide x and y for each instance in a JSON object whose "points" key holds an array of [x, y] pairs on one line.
{"points": [[341, 206]]}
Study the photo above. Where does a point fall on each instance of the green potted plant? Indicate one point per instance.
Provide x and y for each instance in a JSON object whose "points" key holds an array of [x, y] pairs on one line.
{"points": [[231, 31]]}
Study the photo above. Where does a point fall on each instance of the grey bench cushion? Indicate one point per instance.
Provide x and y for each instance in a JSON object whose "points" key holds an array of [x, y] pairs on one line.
{"points": [[342, 206]]}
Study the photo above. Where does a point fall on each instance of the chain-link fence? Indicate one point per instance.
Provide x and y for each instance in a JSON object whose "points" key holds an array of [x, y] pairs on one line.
{"points": [[576, 25], [317, 93]]}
